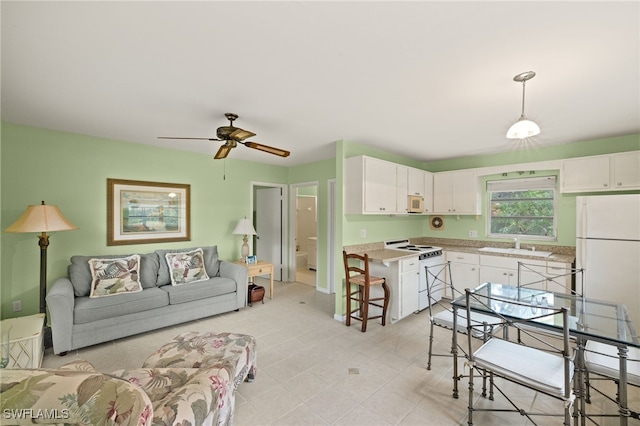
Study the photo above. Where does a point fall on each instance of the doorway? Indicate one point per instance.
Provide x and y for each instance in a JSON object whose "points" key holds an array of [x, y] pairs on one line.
{"points": [[304, 221], [268, 203]]}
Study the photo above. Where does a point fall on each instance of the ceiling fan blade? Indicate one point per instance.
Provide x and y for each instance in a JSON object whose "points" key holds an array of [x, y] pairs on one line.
{"points": [[179, 137], [241, 134], [267, 148], [223, 152]]}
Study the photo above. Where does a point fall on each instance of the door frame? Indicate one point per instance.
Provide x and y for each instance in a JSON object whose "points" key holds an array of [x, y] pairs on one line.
{"points": [[293, 224], [331, 235], [284, 221]]}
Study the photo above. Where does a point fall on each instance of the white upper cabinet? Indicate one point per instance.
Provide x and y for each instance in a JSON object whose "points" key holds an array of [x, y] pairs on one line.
{"points": [[428, 192], [370, 186], [626, 170], [613, 172], [402, 190], [416, 181], [456, 193], [374, 186]]}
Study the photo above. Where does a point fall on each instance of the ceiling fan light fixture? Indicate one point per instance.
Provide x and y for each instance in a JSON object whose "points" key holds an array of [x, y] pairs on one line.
{"points": [[523, 128]]}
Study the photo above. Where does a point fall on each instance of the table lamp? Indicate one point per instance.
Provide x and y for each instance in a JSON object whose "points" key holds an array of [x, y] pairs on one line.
{"points": [[245, 228], [42, 218]]}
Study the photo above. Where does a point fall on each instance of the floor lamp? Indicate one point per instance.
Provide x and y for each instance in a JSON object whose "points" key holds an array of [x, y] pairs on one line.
{"points": [[42, 218]]}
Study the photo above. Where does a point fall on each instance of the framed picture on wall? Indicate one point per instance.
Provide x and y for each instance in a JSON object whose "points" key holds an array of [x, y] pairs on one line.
{"points": [[141, 212]]}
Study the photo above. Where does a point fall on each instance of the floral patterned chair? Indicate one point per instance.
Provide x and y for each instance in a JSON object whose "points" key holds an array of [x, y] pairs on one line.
{"points": [[72, 394], [190, 380]]}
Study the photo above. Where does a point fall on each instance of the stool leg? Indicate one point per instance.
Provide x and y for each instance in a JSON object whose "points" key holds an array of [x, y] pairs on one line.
{"points": [[365, 307], [386, 302], [348, 291]]}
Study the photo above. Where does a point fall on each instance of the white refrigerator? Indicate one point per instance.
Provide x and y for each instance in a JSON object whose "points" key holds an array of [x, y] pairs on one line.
{"points": [[608, 248]]}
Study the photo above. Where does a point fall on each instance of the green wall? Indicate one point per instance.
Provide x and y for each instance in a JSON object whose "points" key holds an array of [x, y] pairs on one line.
{"points": [[381, 228], [71, 171]]}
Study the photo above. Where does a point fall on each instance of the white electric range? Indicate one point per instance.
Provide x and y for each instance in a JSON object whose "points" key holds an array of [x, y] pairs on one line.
{"points": [[428, 256]]}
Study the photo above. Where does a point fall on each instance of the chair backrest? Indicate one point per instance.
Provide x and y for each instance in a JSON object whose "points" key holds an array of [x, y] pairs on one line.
{"points": [[439, 281], [361, 268], [529, 319], [556, 281]]}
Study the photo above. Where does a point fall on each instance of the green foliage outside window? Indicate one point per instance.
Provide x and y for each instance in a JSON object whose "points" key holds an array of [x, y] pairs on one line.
{"points": [[522, 213]]}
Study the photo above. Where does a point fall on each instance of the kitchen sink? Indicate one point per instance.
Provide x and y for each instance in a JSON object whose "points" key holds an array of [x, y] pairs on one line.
{"points": [[523, 252]]}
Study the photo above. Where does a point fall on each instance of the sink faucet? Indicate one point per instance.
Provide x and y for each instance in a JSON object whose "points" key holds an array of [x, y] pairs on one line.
{"points": [[517, 241]]}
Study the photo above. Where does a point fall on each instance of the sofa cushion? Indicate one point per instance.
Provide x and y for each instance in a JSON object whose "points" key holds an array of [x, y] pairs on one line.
{"points": [[201, 290], [211, 263], [90, 309], [111, 277], [186, 267], [80, 273]]}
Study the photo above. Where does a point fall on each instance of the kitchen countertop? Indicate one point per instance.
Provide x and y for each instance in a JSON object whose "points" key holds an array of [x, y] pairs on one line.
{"points": [[377, 252]]}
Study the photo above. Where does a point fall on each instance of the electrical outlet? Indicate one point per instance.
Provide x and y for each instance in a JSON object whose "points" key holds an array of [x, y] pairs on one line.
{"points": [[17, 305], [473, 234], [363, 233]]}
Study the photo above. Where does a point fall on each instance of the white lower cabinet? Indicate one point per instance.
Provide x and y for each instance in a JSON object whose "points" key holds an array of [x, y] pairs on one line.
{"points": [[540, 274], [403, 281], [464, 271]]}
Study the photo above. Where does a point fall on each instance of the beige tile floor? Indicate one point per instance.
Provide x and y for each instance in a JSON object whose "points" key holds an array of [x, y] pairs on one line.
{"points": [[313, 370]]}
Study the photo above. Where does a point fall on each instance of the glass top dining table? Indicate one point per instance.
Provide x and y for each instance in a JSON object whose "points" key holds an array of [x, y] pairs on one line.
{"points": [[599, 320], [589, 319]]}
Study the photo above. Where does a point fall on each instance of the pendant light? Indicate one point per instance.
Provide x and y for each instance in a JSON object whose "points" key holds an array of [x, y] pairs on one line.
{"points": [[523, 128]]}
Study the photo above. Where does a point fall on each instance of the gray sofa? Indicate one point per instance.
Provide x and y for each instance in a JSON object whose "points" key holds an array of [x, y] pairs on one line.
{"points": [[78, 320]]}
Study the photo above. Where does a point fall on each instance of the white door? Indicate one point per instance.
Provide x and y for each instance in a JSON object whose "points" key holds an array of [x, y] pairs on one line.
{"points": [[270, 242]]}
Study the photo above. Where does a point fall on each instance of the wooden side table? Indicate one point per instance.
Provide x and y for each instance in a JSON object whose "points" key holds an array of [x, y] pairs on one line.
{"points": [[25, 340], [259, 268]]}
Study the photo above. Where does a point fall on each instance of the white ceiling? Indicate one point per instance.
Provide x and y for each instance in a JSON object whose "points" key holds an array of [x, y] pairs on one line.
{"points": [[426, 80]]}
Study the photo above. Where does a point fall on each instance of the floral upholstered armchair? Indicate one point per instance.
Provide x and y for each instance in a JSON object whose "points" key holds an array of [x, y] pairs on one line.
{"points": [[191, 380], [72, 394]]}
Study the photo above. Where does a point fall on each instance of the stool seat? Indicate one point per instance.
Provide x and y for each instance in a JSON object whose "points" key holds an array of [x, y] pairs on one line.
{"points": [[359, 275], [361, 280]]}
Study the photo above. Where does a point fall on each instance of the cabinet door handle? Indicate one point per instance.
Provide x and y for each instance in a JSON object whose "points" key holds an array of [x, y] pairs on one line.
{"points": [[606, 185], [619, 183]]}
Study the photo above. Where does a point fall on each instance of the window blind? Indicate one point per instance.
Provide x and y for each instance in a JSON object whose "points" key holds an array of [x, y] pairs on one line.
{"points": [[545, 182]]}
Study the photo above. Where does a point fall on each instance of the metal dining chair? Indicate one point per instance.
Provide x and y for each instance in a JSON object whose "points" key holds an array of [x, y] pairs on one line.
{"points": [[440, 282], [539, 365], [602, 362]]}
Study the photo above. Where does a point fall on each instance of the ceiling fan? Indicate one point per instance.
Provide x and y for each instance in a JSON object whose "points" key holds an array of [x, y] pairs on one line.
{"points": [[232, 136]]}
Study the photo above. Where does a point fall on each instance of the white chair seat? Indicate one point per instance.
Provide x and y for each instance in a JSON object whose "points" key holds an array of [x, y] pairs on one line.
{"points": [[606, 362], [445, 319], [531, 367]]}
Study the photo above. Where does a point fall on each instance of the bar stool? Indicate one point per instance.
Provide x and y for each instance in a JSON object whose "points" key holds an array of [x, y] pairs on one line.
{"points": [[364, 281]]}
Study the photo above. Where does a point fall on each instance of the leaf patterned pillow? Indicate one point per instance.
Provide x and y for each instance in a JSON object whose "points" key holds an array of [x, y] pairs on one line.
{"points": [[115, 276], [186, 267]]}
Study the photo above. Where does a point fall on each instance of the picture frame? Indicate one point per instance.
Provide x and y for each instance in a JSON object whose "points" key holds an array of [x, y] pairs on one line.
{"points": [[252, 260], [140, 212]]}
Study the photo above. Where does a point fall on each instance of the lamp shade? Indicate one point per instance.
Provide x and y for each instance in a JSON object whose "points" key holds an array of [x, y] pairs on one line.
{"points": [[523, 129], [41, 218], [244, 227]]}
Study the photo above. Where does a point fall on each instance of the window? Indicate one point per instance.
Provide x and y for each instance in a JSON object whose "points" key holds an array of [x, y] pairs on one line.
{"points": [[522, 208]]}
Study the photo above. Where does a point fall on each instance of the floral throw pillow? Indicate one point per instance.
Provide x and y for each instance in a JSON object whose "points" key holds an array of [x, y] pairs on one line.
{"points": [[186, 267], [115, 276]]}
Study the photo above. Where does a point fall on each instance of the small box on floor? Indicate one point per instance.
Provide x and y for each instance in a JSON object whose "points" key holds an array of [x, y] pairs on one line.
{"points": [[256, 293]]}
